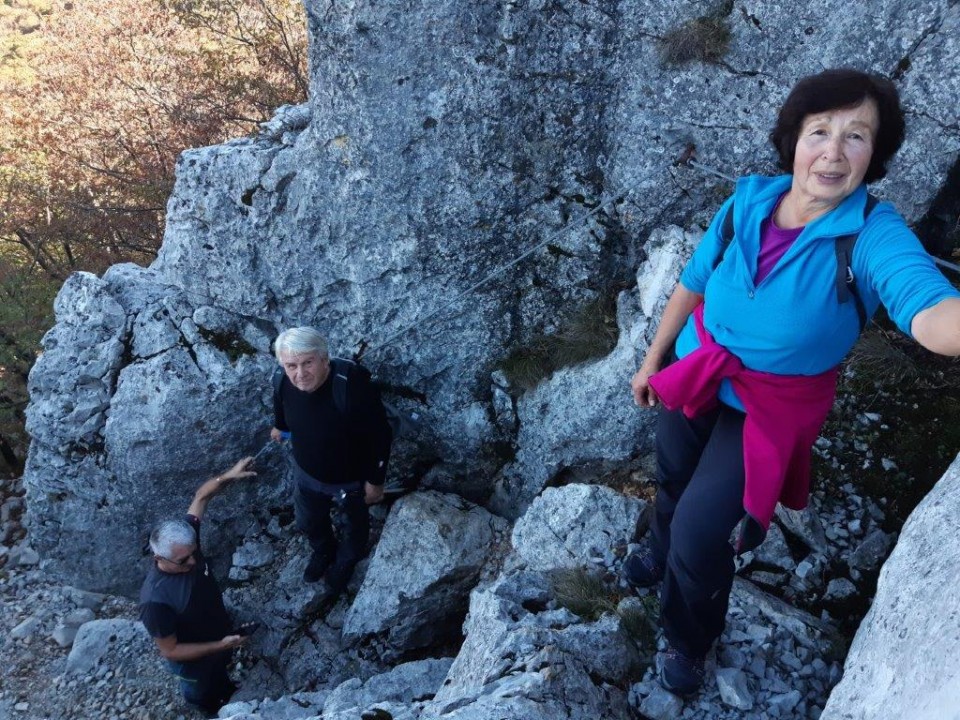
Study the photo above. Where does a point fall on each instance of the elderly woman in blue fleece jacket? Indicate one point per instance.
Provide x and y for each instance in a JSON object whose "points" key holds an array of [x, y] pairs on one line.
{"points": [[781, 289]]}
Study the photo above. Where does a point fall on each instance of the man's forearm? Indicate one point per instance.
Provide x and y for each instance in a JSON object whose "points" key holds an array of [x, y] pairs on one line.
{"points": [[185, 652], [203, 494]]}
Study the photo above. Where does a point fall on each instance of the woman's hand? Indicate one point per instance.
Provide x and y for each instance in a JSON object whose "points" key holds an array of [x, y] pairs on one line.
{"points": [[643, 394]]}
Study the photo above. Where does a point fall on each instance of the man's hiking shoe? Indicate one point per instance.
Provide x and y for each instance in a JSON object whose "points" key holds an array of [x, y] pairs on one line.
{"points": [[316, 567], [681, 674], [641, 568]]}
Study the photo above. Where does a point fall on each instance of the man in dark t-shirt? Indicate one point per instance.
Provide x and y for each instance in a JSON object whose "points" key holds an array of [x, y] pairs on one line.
{"points": [[340, 451], [182, 607]]}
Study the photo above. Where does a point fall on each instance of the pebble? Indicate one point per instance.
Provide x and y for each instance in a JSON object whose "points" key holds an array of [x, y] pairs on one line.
{"points": [[26, 629], [785, 703], [840, 589], [64, 635], [734, 690], [661, 705]]}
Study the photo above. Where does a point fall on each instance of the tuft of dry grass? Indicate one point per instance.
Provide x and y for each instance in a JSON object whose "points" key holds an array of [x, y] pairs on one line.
{"points": [[583, 593], [589, 334], [703, 39]]}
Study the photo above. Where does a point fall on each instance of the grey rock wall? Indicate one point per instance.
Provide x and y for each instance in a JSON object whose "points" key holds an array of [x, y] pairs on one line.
{"points": [[440, 140], [903, 661]]}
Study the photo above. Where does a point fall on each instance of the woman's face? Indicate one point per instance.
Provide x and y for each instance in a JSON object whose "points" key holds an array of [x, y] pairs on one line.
{"points": [[833, 153]]}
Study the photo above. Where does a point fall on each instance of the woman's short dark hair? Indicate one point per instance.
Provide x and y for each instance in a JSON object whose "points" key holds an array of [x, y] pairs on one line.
{"points": [[841, 88]]}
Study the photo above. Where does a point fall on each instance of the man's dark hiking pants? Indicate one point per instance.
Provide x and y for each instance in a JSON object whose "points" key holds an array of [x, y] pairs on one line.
{"points": [[699, 502], [313, 510], [204, 682]]}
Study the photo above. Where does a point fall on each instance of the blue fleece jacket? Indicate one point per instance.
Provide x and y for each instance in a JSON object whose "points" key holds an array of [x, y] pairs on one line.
{"points": [[791, 323]]}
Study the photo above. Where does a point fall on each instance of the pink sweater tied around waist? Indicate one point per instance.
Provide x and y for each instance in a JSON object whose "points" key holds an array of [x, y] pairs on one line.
{"points": [[784, 414]]}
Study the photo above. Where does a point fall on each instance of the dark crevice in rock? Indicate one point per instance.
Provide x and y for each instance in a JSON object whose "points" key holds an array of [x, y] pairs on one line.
{"points": [[939, 229]]}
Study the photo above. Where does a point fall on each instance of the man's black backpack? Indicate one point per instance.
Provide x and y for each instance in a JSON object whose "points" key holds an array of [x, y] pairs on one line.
{"points": [[846, 282], [343, 370]]}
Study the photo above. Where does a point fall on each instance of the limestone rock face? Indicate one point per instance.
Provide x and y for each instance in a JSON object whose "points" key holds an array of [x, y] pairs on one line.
{"points": [[430, 556], [138, 397], [903, 661]]}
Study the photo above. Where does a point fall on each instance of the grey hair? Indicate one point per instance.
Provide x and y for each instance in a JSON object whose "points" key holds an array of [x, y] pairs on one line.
{"points": [[170, 533], [300, 340]]}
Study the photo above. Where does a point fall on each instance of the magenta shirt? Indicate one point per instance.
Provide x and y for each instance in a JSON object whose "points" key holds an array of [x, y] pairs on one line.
{"points": [[774, 243]]}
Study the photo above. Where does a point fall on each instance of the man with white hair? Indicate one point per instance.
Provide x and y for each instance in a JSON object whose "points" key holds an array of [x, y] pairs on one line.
{"points": [[341, 443], [182, 607]]}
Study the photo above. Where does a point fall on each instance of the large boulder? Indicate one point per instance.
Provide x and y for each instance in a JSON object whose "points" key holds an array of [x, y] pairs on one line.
{"points": [[139, 396], [526, 657], [430, 556], [407, 684], [903, 661], [569, 526]]}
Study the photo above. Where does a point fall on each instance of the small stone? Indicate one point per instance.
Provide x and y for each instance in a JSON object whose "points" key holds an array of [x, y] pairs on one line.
{"points": [[24, 556], [64, 635], [785, 703], [238, 574], [791, 661], [26, 629], [78, 617], [734, 690], [253, 555], [661, 705], [759, 633], [840, 589]]}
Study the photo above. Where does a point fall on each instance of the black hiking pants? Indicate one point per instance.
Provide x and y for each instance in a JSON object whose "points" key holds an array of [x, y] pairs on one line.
{"points": [[313, 514], [699, 501]]}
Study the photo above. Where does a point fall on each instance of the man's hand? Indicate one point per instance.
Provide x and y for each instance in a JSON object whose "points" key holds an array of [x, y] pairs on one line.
{"points": [[233, 641], [239, 470], [643, 394], [214, 485], [276, 435], [372, 494]]}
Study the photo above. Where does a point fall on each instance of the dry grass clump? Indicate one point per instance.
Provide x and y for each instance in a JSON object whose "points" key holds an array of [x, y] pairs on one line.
{"points": [[589, 334], [584, 593], [703, 39]]}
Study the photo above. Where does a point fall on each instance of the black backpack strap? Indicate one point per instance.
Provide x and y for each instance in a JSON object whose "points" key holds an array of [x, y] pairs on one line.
{"points": [[277, 381], [342, 369], [726, 235], [846, 281]]}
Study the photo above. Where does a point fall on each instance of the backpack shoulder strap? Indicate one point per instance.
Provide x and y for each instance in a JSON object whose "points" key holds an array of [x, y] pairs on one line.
{"points": [[846, 282], [726, 235], [342, 369], [277, 381]]}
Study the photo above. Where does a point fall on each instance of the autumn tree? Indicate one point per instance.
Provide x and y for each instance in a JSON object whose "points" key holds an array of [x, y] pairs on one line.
{"points": [[98, 100]]}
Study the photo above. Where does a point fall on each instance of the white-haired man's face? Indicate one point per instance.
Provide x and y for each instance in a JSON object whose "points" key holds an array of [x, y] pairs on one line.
{"points": [[307, 371]]}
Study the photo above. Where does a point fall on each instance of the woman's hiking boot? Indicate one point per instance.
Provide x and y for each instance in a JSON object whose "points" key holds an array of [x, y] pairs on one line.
{"points": [[681, 674], [641, 568], [319, 562]]}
